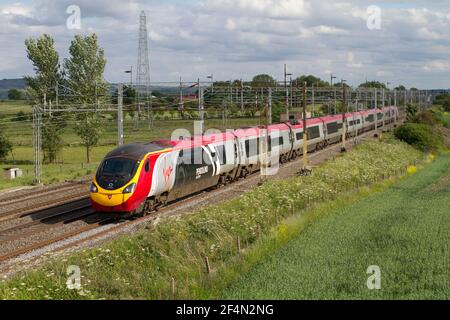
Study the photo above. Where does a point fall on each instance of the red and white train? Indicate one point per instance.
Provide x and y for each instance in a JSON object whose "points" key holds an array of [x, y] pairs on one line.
{"points": [[141, 177]]}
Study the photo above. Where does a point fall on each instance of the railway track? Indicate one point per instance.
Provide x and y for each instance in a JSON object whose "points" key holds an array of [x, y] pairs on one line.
{"points": [[35, 193], [52, 240], [41, 206], [77, 210], [60, 218]]}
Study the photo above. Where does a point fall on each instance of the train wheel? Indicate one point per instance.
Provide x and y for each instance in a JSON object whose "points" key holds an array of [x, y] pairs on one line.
{"points": [[141, 210], [294, 156]]}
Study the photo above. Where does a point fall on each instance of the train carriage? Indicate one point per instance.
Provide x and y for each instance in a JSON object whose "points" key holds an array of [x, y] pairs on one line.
{"points": [[333, 128], [141, 177], [280, 141]]}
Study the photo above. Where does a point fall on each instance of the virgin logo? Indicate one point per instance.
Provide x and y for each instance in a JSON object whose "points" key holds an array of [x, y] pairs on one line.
{"points": [[167, 173]]}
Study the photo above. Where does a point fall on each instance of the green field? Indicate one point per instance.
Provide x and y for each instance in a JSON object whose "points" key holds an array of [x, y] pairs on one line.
{"points": [[403, 230], [12, 107]]}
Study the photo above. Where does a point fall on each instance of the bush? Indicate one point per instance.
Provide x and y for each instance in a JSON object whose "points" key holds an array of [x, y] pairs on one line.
{"points": [[420, 136], [411, 111], [446, 106], [5, 146], [21, 116], [429, 118], [14, 94]]}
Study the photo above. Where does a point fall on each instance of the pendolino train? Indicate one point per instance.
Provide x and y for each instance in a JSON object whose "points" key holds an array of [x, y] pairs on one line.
{"points": [[141, 177]]}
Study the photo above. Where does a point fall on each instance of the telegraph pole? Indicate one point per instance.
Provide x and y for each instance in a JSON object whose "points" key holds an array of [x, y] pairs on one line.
{"points": [[265, 158], [344, 123], [181, 103], [376, 111], [286, 90], [305, 130], [200, 106], [242, 96], [37, 144], [292, 93], [384, 104], [395, 98], [334, 89], [57, 96], [211, 76], [120, 115]]}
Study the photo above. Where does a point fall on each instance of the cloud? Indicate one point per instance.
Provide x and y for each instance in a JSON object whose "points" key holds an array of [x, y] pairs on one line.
{"points": [[239, 38], [438, 66]]}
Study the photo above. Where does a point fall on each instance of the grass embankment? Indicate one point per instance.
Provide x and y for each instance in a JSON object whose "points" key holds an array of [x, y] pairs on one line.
{"points": [[142, 266], [404, 230]]}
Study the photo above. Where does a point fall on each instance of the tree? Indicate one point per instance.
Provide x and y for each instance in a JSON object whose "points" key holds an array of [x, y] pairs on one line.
{"points": [[129, 96], [45, 60], [5, 146], [21, 116], [42, 88], [84, 70], [14, 94], [310, 81], [340, 85], [411, 111], [373, 84], [400, 88], [263, 81], [446, 106], [89, 132], [52, 129]]}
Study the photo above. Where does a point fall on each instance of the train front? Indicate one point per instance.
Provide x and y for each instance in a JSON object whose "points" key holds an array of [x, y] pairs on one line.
{"points": [[115, 186]]}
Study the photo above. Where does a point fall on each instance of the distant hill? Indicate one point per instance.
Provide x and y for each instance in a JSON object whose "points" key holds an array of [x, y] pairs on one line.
{"points": [[8, 84], [12, 84]]}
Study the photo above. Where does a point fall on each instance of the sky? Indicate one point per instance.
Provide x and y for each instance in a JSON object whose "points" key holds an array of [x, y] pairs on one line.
{"points": [[400, 42]]}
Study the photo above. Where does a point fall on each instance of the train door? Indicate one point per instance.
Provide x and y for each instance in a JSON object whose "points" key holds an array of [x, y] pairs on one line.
{"points": [[212, 155], [181, 177]]}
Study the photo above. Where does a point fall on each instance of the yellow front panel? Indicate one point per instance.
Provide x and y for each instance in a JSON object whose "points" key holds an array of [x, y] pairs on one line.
{"points": [[110, 200]]}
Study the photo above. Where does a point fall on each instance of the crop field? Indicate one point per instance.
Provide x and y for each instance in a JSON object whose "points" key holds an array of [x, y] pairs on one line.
{"points": [[403, 230], [8, 108]]}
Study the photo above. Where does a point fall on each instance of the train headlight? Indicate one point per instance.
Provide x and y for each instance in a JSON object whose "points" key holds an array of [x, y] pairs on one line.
{"points": [[130, 188], [93, 188]]}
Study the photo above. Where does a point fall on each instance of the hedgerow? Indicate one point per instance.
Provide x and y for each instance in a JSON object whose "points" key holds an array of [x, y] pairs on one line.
{"points": [[172, 254]]}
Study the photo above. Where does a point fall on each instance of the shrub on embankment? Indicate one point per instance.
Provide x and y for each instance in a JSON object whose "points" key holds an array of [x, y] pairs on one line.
{"points": [[427, 132], [420, 136], [143, 265]]}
